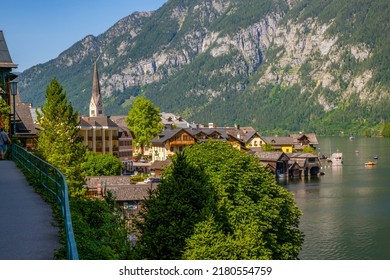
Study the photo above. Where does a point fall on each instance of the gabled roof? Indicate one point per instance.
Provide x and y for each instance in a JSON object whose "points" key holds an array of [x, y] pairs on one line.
{"points": [[101, 121], [167, 134], [301, 155], [120, 121], [297, 137], [270, 156], [5, 57], [243, 133], [172, 119], [279, 140], [26, 124], [131, 192], [159, 164]]}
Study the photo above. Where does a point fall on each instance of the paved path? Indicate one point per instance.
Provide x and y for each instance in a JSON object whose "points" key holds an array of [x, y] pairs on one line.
{"points": [[26, 230]]}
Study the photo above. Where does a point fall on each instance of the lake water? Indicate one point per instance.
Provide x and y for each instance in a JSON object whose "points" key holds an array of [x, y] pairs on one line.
{"points": [[346, 212]]}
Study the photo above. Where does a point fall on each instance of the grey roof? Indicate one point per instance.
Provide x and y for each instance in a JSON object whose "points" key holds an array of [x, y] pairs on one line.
{"points": [[221, 132], [102, 121], [5, 57], [310, 136], [244, 133], [269, 156], [120, 121], [26, 124], [208, 131], [159, 164], [301, 155], [131, 192], [165, 135], [279, 140], [172, 119]]}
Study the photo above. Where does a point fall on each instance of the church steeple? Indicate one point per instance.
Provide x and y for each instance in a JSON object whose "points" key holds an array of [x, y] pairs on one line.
{"points": [[96, 105]]}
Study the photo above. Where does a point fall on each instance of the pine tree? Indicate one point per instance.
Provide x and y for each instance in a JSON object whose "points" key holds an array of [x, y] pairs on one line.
{"points": [[59, 142], [183, 198]]}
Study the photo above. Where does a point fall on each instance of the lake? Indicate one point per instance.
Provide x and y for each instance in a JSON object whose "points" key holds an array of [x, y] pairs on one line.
{"points": [[346, 212]]}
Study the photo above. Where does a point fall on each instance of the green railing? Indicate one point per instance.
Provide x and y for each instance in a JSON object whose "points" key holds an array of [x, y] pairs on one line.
{"points": [[55, 182]]}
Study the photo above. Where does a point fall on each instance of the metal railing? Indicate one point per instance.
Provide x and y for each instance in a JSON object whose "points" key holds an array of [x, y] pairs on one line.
{"points": [[55, 182]]}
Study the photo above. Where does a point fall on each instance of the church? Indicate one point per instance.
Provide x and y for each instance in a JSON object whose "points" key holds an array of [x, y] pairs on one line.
{"points": [[101, 133]]}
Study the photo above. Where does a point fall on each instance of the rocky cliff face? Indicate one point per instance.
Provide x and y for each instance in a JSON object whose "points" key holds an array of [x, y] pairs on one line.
{"points": [[225, 61]]}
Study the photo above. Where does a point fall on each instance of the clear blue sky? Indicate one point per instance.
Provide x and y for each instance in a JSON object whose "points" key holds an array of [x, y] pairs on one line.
{"points": [[39, 30]]}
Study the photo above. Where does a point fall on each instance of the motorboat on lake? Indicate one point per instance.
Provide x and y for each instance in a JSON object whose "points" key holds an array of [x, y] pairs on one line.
{"points": [[337, 158], [370, 163]]}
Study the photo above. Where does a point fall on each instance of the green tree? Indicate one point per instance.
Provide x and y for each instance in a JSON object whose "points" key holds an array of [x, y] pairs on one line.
{"points": [[99, 231], [5, 110], [267, 147], [144, 121], [59, 142], [246, 215], [255, 215], [182, 199], [386, 130], [101, 165], [308, 149]]}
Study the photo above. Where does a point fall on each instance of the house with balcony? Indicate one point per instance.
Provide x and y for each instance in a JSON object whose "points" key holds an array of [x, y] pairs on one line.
{"points": [[170, 141], [100, 135], [125, 138], [174, 140]]}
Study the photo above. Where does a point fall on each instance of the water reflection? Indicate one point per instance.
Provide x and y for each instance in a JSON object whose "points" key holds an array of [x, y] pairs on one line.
{"points": [[345, 212]]}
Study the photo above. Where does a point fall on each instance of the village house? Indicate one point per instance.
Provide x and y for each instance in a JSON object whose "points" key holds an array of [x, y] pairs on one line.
{"points": [[21, 119], [276, 161], [304, 164], [301, 140], [283, 144], [127, 196], [247, 134], [171, 141], [157, 167], [170, 120]]}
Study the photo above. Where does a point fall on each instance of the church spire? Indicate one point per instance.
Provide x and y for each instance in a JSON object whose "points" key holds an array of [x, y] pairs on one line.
{"points": [[96, 105]]}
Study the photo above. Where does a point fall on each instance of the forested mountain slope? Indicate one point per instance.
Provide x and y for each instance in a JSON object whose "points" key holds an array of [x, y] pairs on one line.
{"points": [[276, 65]]}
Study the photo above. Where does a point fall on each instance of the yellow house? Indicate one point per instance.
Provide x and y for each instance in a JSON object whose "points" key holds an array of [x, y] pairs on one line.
{"points": [[283, 144], [248, 135], [100, 134]]}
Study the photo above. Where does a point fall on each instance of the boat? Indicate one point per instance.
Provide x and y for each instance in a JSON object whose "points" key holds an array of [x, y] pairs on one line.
{"points": [[370, 163], [351, 137], [337, 158], [376, 157]]}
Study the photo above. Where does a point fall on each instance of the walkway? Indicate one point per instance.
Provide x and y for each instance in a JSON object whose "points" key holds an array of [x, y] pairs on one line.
{"points": [[26, 231]]}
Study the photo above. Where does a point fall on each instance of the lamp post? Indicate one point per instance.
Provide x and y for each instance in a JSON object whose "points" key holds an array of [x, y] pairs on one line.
{"points": [[14, 89]]}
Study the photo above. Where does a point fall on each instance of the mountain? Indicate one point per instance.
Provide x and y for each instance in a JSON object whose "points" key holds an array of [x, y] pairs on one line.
{"points": [[277, 65]]}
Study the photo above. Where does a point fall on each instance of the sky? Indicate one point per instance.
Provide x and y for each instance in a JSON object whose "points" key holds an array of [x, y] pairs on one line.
{"points": [[37, 31]]}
